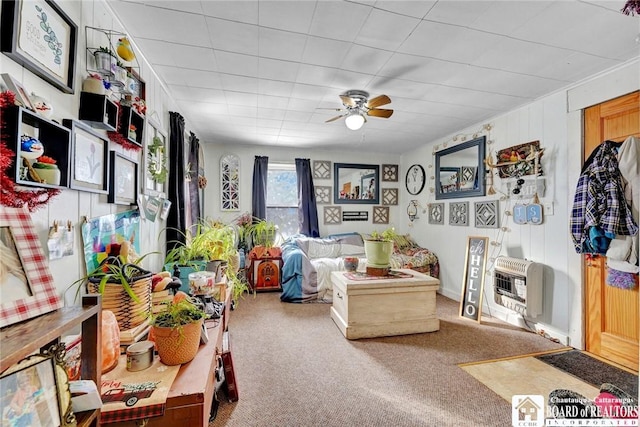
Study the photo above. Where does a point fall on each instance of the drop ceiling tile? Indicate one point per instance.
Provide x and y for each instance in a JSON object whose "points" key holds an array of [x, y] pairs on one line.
{"points": [[233, 36], [239, 83], [152, 23], [273, 69], [282, 45], [271, 113], [292, 16], [155, 51], [274, 102], [189, 6], [338, 20], [324, 52], [233, 10], [171, 75], [267, 123], [234, 63], [346, 80], [304, 91], [199, 94], [199, 58], [275, 88], [315, 75], [461, 13], [298, 116], [297, 104], [363, 58], [575, 66], [385, 30], [241, 99], [416, 9], [200, 78]]}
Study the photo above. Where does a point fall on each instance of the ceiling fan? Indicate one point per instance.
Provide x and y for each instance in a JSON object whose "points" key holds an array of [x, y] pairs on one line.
{"points": [[357, 105]]}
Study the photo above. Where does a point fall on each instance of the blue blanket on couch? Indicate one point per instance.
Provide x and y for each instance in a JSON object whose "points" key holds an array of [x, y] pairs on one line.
{"points": [[295, 269]]}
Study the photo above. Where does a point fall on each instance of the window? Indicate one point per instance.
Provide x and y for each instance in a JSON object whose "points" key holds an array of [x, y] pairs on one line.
{"points": [[282, 198]]}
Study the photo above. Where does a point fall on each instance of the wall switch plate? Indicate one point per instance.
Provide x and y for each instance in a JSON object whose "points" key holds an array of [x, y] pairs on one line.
{"points": [[548, 208]]}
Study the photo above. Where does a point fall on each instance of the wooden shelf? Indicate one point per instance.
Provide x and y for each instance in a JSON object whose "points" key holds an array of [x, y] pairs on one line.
{"points": [[54, 137], [98, 111], [131, 117], [22, 339]]}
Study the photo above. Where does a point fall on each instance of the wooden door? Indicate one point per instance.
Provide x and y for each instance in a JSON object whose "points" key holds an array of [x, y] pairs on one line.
{"points": [[611, 314]]}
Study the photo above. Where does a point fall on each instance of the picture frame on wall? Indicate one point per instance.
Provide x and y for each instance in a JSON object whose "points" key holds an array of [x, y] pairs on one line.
{"points": [[123, 180], [38, 385], [28, 289], [38, 35], [22, 96], [90, 158]]}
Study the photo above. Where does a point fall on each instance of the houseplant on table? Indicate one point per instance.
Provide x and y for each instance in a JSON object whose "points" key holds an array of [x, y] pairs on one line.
{"points": [[176, 330], [378, 248]]}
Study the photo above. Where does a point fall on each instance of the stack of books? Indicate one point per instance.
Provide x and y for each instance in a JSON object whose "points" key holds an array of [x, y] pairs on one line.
{"points": [[160, 299], [133, 335]]}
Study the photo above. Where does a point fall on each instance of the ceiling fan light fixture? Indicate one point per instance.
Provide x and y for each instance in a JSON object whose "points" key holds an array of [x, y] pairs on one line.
{"points": [[354, 121]]}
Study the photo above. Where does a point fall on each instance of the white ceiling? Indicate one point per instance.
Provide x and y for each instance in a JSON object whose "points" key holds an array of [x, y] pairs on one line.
{"points": [[269, 72]]}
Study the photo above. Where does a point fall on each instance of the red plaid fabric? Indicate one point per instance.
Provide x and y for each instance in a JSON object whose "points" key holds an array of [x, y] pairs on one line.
{"points": [[34, 263], [134, 413]]}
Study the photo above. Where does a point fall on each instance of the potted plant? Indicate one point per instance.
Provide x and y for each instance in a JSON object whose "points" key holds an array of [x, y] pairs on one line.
{"points": [[378, 248], [176, 330], [125, 289], [104, 58], [261, 232]]}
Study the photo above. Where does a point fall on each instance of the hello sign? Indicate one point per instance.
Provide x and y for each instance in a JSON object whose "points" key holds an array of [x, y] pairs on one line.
{"points": [[475, 263]]}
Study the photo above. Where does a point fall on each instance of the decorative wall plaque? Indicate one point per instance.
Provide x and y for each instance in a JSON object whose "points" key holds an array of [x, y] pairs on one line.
{"points": [[229, 182], [459, 213], [323, 195], [332, 215], [380, 215], [322, 169], [487, 214], [390, 173], [436, 213], [389, 196], [355, 216]]}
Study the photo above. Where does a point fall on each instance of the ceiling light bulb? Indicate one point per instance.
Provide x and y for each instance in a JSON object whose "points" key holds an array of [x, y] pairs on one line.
{"points": [[354, 121]]}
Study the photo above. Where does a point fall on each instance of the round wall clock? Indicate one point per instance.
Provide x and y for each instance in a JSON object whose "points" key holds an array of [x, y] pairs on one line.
{"points": [[415, 179]]}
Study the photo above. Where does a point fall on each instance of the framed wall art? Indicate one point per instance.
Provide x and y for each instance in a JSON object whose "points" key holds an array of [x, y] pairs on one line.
{"points": [[436, 213], [389, 196], [89, 158], [459, 213], [322, 169], [123, 180], [487, 214], [323, 194], [380, 215], [332, 215], [155, 172], [39, 386], [38, 35], [27, 286], [22, 96], [229, 182], [390, 173]]}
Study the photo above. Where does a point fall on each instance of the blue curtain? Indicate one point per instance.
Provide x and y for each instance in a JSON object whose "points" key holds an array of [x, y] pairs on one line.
{"points": [[307, 209], [176, 221], [259, 189]]}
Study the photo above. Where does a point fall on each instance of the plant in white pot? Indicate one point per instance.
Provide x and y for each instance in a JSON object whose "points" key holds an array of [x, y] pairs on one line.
{"points": [[378, 248]]}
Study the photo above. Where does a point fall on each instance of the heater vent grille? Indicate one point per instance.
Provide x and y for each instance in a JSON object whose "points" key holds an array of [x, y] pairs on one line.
{"points": [[517, 285]]}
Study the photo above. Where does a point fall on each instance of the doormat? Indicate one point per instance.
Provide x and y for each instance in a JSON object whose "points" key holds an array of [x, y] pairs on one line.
{"points": [[358, 275], [592, 370]]}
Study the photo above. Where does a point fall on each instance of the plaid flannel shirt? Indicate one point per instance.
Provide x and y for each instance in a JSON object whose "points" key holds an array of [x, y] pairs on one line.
{"points": [[599, 200]]}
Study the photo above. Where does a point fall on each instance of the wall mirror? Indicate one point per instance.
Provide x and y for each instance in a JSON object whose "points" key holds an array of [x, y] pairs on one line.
{"points": [[460, 170], [355, 183]]}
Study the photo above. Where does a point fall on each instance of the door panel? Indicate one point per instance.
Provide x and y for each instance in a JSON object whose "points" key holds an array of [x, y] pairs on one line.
{"points": [[611, 314]]}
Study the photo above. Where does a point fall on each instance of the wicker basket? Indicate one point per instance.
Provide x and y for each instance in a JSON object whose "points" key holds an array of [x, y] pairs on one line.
{"points": [[177, 345], [115, 298]]}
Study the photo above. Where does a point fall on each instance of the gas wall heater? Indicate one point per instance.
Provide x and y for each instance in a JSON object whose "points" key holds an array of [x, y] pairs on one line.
{"points": [[517, 285]]}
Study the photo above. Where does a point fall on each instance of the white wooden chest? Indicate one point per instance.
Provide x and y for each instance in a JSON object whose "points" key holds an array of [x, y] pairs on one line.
{"points": [[384, 307]]}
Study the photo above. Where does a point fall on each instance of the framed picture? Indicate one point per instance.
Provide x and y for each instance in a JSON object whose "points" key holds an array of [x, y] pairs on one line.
{"points": [[38, 35], [27, 287], [155, 173], [89, 158], [35, 391], [22, 95], [123, 180], [229, 182]]}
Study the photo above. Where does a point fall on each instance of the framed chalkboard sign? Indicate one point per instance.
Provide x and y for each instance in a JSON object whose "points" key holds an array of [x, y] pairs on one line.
{"points": [[475, 262]]}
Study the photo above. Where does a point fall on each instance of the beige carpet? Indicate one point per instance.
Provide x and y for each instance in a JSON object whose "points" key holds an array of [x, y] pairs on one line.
{"points": [[525, 375], [294, 368]]}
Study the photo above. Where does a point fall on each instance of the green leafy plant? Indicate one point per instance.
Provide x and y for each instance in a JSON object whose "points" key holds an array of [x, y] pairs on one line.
{"points": [[261, 232], [386, 236], [114, 269], [176, 314], [205, 241], [157, 161], [110, 52]]}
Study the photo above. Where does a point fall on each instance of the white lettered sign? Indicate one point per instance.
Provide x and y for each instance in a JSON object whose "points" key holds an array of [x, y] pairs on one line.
{"points": [[475, 263]]}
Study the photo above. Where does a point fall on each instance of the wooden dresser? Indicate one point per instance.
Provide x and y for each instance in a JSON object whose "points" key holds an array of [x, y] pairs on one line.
{"points": [[367, 308]]}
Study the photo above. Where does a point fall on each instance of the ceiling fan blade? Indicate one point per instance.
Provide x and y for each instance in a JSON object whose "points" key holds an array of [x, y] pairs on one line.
{"points": [[348, 101], [380, 112], [378, 101], [333, 119]]}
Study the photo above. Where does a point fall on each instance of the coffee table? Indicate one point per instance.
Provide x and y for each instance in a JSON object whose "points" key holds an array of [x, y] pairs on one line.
{"points": [[377, 307]]}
